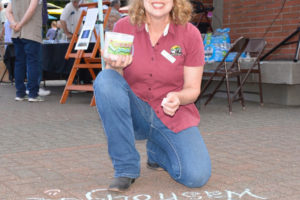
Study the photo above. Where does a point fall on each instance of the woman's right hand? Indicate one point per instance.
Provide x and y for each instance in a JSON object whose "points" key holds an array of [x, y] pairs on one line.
{"points": [[121, 62]]}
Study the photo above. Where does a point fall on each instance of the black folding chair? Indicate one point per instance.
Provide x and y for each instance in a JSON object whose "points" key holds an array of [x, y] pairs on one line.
{"points": [[255, 49], [223, 72]]}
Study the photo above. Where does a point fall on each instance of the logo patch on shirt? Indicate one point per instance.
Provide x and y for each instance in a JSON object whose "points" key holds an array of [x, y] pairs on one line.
{"points": [[176, 50]]}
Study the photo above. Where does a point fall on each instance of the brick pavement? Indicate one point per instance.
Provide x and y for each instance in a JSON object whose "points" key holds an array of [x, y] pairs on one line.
{"points": [[54, 152]]}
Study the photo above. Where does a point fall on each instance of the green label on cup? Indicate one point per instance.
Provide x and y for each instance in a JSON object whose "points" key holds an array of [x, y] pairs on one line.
{"points": [[119, 47]]}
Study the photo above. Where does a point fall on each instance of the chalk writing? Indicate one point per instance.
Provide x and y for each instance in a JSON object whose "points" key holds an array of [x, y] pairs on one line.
{"points": [[174, 197], [192, 195], [214, 194], [35, 198], [247, 191], [101, 194], [142, 197], [52, 192]]}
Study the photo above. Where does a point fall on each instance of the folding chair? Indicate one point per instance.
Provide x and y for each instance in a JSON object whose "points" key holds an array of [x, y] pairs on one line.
{"points": [[255, 49], [224, 71]]}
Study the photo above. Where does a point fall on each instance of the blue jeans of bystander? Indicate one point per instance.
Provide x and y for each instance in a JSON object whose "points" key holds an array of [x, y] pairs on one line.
{"points": [[27, 57], [126, 117]]}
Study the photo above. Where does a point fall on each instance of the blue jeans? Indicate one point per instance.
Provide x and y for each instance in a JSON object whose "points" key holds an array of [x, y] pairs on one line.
{"points": [[27, 54], [126, 117], [41, 65]]}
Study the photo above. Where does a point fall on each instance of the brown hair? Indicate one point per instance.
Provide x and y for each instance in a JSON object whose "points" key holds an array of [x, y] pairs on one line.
{"points": [[180, 13], [53, 24]]}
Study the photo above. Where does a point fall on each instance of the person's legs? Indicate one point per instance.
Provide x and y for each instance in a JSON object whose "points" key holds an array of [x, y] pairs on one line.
{"points": [[41, 66], [183, 155], [33, 66], [124, 117], [42, 91], [20, 67]]}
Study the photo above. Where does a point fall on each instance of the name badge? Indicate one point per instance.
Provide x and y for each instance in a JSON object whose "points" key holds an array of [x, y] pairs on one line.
{"points": [[168, 56]]}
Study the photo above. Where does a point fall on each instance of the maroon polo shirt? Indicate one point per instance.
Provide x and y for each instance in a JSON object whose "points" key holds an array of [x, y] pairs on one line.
{"points": [[152, 75]]}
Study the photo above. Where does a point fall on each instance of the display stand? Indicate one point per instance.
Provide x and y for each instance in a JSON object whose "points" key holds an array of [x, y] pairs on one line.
{"points": [[83, 59]]}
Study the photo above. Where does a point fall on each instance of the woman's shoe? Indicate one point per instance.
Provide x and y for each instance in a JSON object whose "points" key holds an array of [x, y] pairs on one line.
{"points": [[154, 166], [121, 184]]}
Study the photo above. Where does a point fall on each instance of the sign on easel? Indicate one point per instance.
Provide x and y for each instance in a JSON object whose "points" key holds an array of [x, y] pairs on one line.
{"points": [[87, 29]]}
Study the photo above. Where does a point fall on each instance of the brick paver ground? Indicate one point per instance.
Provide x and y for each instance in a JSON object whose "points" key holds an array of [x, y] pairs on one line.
{"points": [[50, 151]]}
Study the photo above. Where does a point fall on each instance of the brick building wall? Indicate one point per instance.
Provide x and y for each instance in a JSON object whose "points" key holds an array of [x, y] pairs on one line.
{"points": [[207, 2], [253, 18]]}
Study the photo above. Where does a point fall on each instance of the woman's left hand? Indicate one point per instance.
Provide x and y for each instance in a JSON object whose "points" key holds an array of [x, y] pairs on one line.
{"points": [[13, 25], [171, 104]]}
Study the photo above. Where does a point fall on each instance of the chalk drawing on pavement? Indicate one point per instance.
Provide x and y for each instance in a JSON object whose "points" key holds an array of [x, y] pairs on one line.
{"points": [[102, 194], [52, 192]]}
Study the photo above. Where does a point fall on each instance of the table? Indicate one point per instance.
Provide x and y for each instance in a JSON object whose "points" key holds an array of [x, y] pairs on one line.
{"points": [[53, 58], [55, 66]]}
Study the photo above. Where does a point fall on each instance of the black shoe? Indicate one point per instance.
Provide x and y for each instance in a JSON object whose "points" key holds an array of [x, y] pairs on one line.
{"points": [[154, 166], [120, 184]]}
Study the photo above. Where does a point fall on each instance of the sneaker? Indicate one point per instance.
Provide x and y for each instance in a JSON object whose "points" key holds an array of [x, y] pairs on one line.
{"points": [[43, 92], [121, 184], [21, 98], [154, 166], [36, 99]]}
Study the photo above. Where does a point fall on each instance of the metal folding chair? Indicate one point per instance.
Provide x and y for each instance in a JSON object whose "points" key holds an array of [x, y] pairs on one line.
{"points": [[223, 72], [255, 49]]}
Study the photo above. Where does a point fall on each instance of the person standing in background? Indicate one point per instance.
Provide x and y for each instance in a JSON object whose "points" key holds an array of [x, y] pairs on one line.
{"points": [[70, 17], [59, 32], [25, 19], [9, 55], [7, 32], [51, 31], [114, 15]]}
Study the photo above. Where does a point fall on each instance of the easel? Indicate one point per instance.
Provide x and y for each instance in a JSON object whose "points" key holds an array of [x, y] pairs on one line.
{"points": [[285, 42], [84, 60]]}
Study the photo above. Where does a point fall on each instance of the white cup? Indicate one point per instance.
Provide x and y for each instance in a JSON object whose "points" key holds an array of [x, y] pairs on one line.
{"points": [[117, 44]]}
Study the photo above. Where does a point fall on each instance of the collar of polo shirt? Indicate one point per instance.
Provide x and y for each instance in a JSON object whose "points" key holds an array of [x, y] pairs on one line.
{"points": [[166, 30]]}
